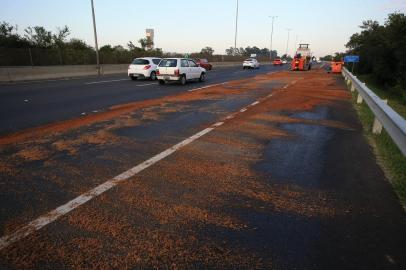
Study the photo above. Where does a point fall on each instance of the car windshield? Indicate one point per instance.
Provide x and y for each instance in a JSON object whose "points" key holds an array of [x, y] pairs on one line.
{"points": [[140, 62], [168, 63], [156, 61]]}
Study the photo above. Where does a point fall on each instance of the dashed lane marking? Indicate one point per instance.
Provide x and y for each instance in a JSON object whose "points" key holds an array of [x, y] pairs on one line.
{"points": [[207, 86], [88, 83], [141, 85]]}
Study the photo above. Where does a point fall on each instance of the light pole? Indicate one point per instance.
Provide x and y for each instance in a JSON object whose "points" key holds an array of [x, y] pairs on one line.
{"points": [[95, 41], [273, 18], [236, 29], [297, 36], [287, 43]]}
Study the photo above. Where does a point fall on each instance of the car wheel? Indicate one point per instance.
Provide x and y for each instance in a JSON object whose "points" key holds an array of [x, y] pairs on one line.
{"points": [[133, 78], [202, 77], [183, 80], [161, 82], [152, 76]]}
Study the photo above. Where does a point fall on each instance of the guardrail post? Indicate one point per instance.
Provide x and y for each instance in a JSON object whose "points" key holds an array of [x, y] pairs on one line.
{"points": [[359, 99], [352, 88], [377, 126]]}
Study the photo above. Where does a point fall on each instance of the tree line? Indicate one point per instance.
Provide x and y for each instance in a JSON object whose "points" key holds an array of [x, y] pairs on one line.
{"points": [[39, 46], [382, 51]]}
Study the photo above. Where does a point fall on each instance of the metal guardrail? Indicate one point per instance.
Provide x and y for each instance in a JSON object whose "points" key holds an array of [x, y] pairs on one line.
{"points": [[394, 124]]}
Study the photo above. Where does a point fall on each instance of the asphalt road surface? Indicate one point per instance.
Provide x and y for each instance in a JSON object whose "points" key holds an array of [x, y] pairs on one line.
{"points": [[28, 104], [261, 170]]}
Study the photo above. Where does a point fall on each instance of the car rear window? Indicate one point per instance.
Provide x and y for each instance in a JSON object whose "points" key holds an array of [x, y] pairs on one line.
{"points": [[140, 62], [249, 60], [156, 61], [168, 63]]}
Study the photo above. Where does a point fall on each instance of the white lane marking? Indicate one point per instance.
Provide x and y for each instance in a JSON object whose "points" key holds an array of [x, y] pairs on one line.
{"points": [[230, 116], [106, 81], [243, 109], [292, 83], [141, 85], [218, 124], [208, 86], [254, 103], [53, 215], [286, 86]]}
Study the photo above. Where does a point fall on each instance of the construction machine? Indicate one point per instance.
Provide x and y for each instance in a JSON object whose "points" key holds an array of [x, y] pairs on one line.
{"points": [[302, 59]]}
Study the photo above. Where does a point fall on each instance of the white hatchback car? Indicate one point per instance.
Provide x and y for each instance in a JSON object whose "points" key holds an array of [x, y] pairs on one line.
{"points": [[250, 63], [179, 69], [144, 67]]}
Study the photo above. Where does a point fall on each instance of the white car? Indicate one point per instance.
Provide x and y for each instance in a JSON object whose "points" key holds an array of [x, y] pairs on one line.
{"points": [[284, 62], [250, 63], [179, 69], [144, 67]]}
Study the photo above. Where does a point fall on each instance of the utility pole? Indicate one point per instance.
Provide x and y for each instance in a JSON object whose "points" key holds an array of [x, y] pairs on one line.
{"points": [[270, 52], [287, 43], [236, 29], [95, 40], [297, 36]]}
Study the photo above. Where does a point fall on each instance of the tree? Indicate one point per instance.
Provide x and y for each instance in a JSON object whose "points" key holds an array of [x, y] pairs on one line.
{"points": [[382, 51], [146, 43], [207, 51], [60, 37], [38, 36], [9, 37]]}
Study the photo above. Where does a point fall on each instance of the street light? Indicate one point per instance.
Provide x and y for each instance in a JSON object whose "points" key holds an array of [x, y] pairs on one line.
{"points": [[236, 29], [95, 40], [273, 18], [297, 36], [287, 43]]}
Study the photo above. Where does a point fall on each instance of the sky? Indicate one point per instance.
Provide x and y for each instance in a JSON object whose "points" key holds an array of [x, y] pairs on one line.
{"points": [[188, 25]]}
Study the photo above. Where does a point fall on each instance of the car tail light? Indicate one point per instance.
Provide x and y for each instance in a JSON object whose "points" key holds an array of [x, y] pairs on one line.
{"points": [[147, 67], [176, 72], [157, 72]]}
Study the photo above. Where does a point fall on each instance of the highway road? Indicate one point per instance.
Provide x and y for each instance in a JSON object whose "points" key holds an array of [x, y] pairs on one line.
{"points": [[29, 104], [254, 169]]}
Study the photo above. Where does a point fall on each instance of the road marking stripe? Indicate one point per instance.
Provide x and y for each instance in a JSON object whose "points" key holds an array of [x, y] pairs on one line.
{"points": [[243, 110], [82, 199], [141, 85], [218, 124], [107, 81], [208, 86], [254, 103]]}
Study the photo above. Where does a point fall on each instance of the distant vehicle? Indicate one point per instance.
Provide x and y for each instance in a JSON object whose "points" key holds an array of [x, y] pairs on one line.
{"points": [[144, 67], [302, 60], [204, 63], [284, 62], [180, 70], [277, 62], [250, 63]]}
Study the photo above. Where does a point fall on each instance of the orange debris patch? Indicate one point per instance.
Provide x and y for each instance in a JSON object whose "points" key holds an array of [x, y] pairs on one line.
{"points": [[33, 153]]}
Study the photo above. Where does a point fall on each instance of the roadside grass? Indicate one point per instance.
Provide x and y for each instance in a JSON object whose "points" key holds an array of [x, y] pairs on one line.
{"points": [[388, 154]]}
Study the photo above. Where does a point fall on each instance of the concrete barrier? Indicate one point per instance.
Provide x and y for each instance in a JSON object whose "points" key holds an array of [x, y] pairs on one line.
{"points": [[28, 73]]}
